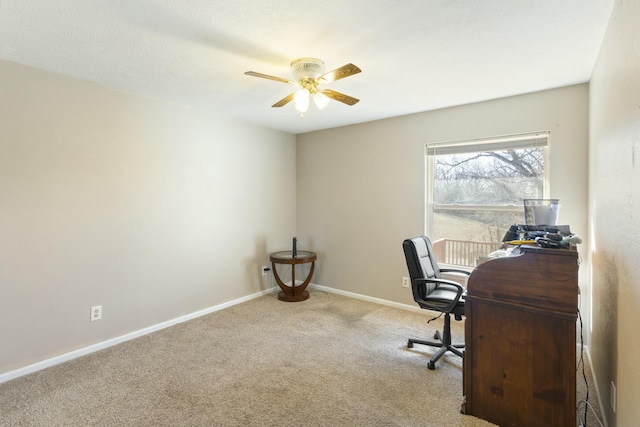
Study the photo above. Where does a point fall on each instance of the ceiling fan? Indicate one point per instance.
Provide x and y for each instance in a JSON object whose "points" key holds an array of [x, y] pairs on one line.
{"points": [[309, 75]]}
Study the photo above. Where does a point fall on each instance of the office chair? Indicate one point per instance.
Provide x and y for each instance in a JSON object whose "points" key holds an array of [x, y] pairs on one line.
{"points": [[431, 292]]}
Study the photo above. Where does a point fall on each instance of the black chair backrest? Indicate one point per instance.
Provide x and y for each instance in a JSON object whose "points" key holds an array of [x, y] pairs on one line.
{"points": [[421, 262]]}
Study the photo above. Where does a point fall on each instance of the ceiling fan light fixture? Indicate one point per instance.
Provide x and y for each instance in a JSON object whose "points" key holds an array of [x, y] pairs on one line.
{"points": [[321, 100], [309, 73], [301, 100], [307, 68]]}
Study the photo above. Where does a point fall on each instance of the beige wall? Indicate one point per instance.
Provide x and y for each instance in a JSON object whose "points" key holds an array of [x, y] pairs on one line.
{"points": [[155, 211], [149, 209], [361, 188], [614, 200]]}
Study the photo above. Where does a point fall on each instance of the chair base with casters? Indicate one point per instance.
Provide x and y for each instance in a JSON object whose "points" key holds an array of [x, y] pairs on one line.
{"points": [[444, 342], [434, 293]]}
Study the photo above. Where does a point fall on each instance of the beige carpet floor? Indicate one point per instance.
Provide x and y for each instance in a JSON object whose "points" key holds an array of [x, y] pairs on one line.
{"points": [[327, 361]]}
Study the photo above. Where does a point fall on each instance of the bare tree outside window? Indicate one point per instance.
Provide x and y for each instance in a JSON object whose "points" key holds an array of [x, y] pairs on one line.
{"points": [[477, 195]]}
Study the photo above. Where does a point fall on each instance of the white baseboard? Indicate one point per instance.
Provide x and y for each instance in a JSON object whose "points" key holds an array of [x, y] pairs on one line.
{"points": [[136, 334], [7, 376], [370, 299]]}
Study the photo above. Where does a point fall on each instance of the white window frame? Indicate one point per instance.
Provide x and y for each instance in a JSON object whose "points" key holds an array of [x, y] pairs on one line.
{"points": [[541, 138]]}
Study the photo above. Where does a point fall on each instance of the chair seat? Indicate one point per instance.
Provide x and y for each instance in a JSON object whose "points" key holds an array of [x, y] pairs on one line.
{"points": [[446, 287], [444, 296], [458, 309]]}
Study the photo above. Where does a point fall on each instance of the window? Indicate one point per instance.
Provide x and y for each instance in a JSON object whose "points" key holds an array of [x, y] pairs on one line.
{"points": [[475, 191]]}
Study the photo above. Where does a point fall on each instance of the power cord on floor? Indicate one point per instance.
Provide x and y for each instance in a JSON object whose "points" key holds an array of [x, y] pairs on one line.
{"points": [[588, 405], [583, 422], [436, 318]]}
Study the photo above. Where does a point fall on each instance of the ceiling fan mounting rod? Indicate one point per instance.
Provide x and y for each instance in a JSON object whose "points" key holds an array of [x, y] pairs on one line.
{"points": [[309, 84]]}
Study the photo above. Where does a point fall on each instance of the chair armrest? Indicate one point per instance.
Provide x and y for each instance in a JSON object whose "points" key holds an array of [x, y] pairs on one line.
{"points": [[455, 270], [442, 281], [448, 308]]}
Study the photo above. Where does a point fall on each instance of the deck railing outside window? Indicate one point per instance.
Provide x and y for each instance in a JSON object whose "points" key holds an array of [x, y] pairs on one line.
{"points": [[463, 253]]}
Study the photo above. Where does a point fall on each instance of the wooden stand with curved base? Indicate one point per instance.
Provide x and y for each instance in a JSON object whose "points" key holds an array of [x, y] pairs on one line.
{"points": [[293, 293]]}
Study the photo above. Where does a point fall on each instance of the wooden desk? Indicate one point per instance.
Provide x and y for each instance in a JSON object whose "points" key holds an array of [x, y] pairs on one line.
{"points": [[293, 293], [519, 366]]}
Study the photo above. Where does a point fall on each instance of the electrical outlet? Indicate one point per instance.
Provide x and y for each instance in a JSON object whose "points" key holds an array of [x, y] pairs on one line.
{"points": [[405, 282], [265, 270], [96, 313], [613, 396]]}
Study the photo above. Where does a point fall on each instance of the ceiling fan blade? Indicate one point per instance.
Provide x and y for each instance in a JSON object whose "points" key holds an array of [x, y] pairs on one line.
{"points": [[340, 97], [339, 73], [266, 76], [284, 101]]}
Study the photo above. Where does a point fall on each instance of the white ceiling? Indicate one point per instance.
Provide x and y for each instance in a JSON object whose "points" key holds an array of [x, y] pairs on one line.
{"points": [[415, 55]]}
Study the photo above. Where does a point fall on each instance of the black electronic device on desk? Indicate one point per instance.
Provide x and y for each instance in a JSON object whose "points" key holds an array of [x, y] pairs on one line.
{"points": [[546, 236]]}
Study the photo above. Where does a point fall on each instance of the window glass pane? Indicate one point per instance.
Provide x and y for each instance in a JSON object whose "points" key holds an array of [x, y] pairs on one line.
{"points": [[477, 191], [497, 178]]}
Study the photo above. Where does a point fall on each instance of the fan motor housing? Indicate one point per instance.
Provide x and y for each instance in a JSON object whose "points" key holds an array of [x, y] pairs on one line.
{"points": [[307, 68]]}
